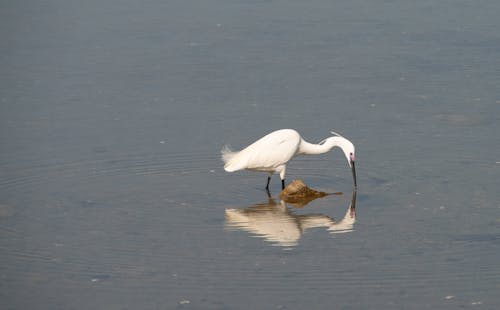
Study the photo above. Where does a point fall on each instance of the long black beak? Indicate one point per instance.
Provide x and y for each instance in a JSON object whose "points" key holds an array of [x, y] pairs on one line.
{"points": [[353, 168]]}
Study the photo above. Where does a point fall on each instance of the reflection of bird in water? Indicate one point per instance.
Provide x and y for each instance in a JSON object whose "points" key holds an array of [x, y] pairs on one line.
{"points": [[279, 225]]}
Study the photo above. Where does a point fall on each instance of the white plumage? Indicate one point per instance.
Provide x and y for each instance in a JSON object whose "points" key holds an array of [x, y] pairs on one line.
{"points": [[272, 152]]}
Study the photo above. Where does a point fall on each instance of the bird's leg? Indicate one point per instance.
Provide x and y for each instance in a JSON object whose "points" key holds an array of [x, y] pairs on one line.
{"points": [[267, 185], [282, 176]]}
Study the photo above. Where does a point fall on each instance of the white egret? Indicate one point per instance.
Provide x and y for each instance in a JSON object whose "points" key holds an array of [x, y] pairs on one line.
{"points": [[272, 153]]}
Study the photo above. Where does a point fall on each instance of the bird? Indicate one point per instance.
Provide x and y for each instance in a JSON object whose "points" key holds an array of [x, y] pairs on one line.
{"points": [[272, 153]]}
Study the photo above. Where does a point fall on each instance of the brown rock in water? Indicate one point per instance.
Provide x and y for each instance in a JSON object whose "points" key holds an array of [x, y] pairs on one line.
{"points": [[298, 194]]}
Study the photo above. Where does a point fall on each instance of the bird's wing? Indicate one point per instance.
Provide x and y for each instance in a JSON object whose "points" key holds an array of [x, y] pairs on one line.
{"points": [[273, 151], [267, 153]]}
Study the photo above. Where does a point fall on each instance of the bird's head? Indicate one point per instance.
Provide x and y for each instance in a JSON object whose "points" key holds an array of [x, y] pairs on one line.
{"points": [[349, 152]]}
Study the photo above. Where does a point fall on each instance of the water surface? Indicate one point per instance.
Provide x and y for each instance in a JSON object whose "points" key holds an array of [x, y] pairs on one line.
{"points": [[113, 114]]}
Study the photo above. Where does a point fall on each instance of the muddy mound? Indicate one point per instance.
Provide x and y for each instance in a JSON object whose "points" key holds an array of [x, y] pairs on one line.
{"points": [[299, 194]]}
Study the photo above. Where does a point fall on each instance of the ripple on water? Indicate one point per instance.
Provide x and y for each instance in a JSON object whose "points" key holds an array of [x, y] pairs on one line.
{"points": [[66, 216], [121, 243], [131, 165]]}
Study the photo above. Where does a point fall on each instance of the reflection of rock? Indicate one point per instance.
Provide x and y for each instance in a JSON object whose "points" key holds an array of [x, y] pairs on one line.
{"points": [[298, 194], [277, 224]]}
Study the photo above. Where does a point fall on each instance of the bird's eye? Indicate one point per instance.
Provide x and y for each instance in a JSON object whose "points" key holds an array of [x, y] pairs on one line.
{"points": [[350, 153]]}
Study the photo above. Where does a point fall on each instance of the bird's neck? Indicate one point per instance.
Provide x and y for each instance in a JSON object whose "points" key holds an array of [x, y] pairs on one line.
{"points": [[307, 148]]}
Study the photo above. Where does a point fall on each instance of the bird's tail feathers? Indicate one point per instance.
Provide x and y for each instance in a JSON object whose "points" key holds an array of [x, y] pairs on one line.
{"points": [[232, 162], [227, 154]]}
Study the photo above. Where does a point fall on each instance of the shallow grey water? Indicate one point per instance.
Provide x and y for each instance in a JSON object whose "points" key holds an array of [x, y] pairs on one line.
{"points": [[113, 113]]}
